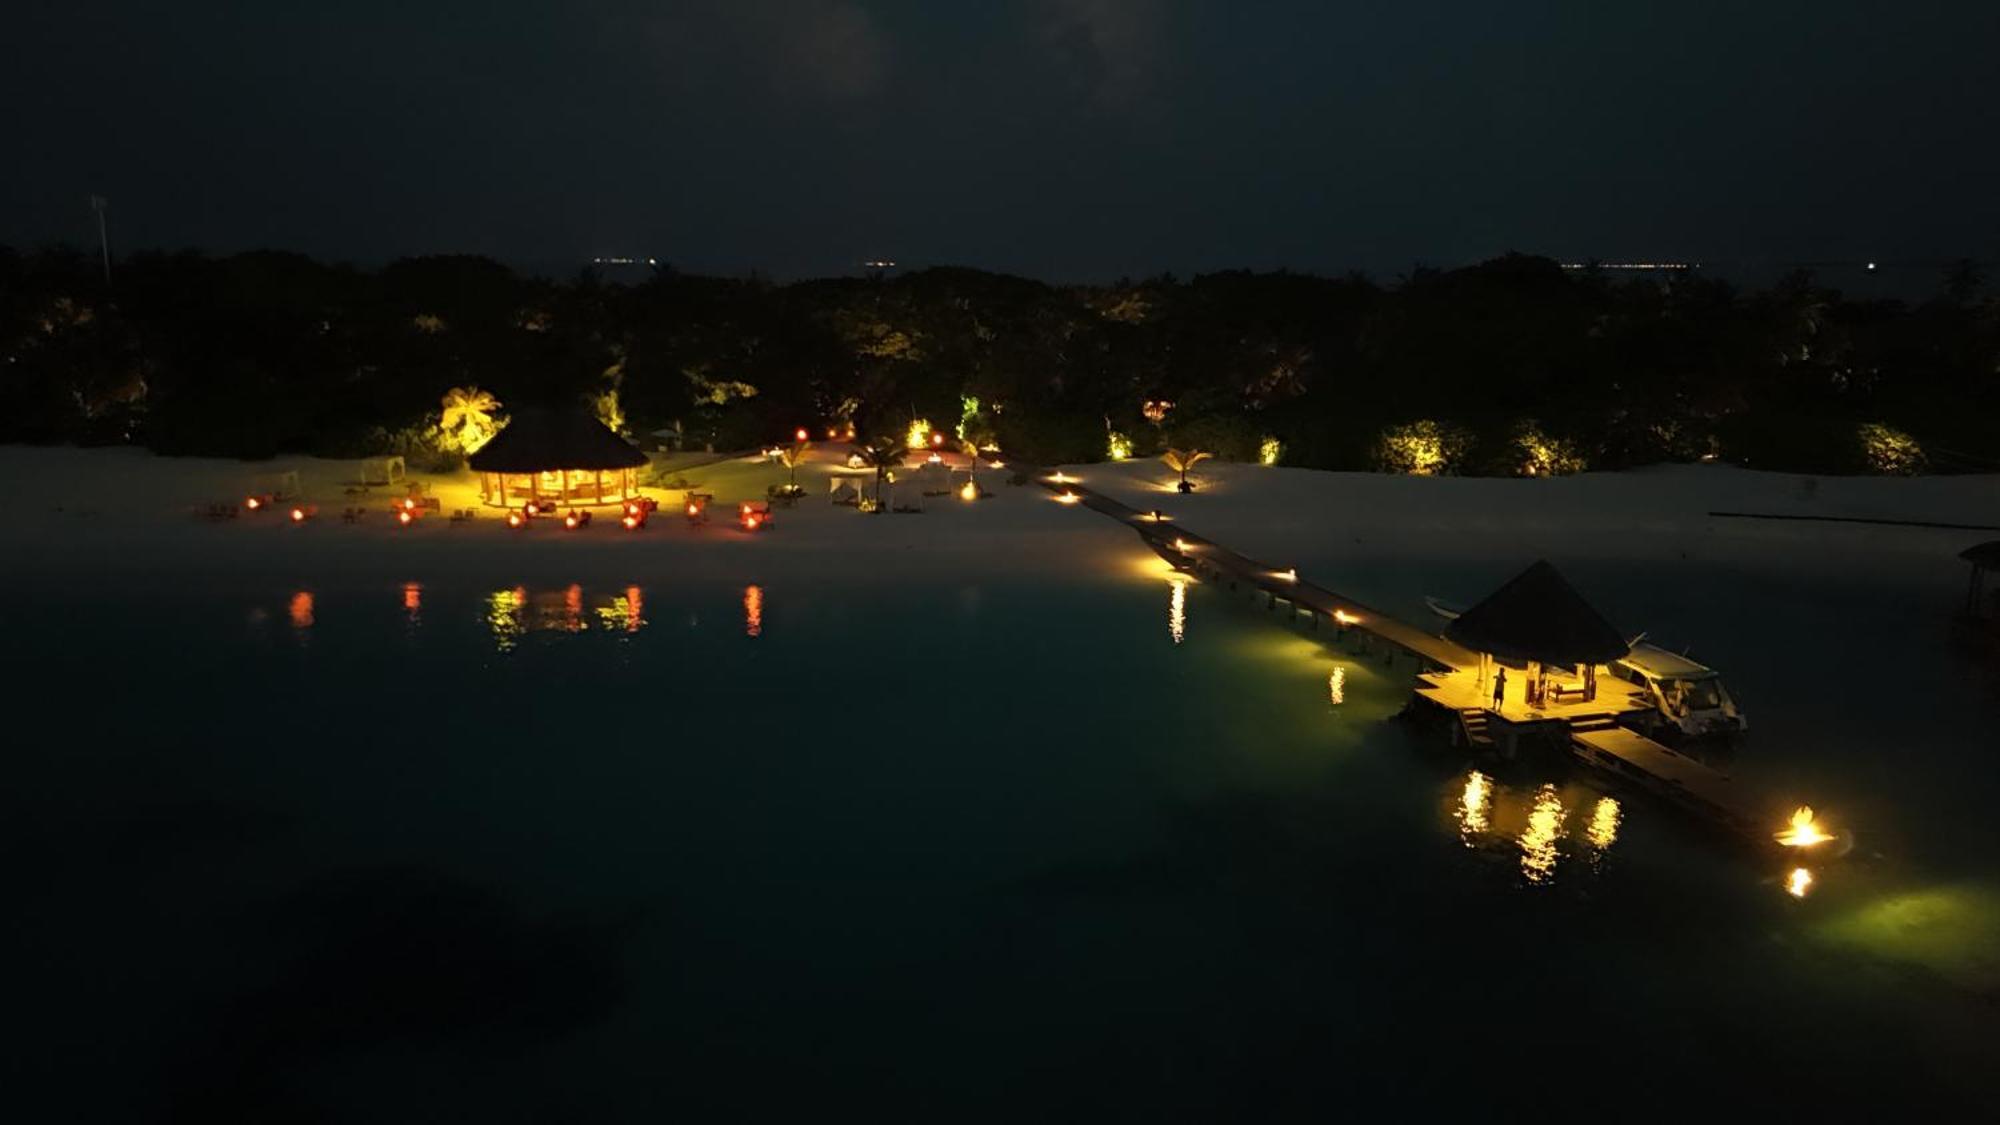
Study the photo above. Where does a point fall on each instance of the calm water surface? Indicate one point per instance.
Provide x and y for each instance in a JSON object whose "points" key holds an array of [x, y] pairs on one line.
{"points": [[985, 850]]}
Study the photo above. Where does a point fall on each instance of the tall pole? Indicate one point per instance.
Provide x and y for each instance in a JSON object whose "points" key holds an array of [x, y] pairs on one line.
{"points": [[97, 204]]}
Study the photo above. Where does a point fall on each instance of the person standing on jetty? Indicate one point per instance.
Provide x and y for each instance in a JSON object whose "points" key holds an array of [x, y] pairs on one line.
{"points": [[1499, 688]]}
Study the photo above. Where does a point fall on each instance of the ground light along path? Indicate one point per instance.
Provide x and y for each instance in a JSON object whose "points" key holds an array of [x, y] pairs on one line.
{"points": [[1444, 677]]}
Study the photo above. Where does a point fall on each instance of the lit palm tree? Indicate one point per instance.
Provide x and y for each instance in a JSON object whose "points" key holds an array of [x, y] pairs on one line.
{"points": [[790, 458], [970, 448], [1181, 460], [466, 418], [882, 455]]}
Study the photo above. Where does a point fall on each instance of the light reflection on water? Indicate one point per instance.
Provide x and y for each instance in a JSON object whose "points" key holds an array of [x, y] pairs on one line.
{"points": [[753, 611], [1177, 610], [1474, 813], [512, 614], [1602, 832], [1538, 839], [1536, 829], [301, 610]]}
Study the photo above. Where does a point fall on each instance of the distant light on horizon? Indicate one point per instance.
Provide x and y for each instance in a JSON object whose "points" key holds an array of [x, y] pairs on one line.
{"points": [[1635, 266]]}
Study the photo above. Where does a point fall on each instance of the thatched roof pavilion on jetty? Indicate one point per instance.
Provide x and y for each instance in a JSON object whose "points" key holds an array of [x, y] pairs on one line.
{"points": [[557, 457], [1538, 619]]}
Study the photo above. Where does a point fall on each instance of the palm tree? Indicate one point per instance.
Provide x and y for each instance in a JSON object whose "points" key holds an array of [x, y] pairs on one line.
{"points": [[970, 448], [790, 458], [1181, 460], [466, 418], [883, 455]]}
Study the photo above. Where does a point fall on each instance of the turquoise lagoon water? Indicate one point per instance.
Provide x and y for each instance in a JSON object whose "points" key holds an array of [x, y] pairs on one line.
{"points": [[983, 850]]}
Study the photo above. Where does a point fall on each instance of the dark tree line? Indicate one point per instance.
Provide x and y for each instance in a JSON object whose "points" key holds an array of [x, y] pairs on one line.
{"points": [[1512, 365]]}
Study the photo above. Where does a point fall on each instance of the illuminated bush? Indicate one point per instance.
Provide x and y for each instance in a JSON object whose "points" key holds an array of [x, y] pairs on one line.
{"points": [[1118, 446], [919, 435], [1538, 454], [1891, 451], [1270, 450], [1424, 448]]}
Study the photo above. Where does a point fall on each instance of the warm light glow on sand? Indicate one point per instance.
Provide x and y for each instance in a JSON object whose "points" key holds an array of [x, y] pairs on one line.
{"points": [[1059, 478], [1345, 618], [1802, 832], [1068, 498], [1475, 804], [1183, 546], [753, 611], [1538, 839], [1798, 882], [1289, 575], [968, 491]]}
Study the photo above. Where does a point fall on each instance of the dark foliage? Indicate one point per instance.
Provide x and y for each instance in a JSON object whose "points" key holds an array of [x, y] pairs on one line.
{"points": [[261, 353]]}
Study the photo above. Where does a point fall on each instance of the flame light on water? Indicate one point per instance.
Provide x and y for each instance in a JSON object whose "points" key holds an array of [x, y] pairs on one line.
{"points": [[1177, 612], [1798, 882], [753, 611], [1474, 812], [1336, 686], [1802, 832], [301, 610], [1538, 839]]}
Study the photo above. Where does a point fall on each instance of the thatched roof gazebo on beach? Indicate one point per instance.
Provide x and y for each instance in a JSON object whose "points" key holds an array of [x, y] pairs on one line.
{"points": [[1539, 619], [557, 457]]}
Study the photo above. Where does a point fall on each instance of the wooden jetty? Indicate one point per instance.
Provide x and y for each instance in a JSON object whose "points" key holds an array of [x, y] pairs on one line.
{"points": [[1448, 684]]}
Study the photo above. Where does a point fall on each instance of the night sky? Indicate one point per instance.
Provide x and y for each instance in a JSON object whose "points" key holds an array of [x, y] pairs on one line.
{"points": [[1068, 139]]}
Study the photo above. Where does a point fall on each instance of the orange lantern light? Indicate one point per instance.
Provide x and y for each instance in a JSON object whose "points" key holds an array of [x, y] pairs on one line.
{"points": [[750, 522], [631, 523], [799, 434], [253, 503], [694, 509], [298, 515], [569, 522], [937, 439], [405, 518], [514, 519]]}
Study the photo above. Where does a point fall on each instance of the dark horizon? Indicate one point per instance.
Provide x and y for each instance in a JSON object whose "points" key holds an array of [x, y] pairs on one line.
{"points": [[1068, 140]]}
